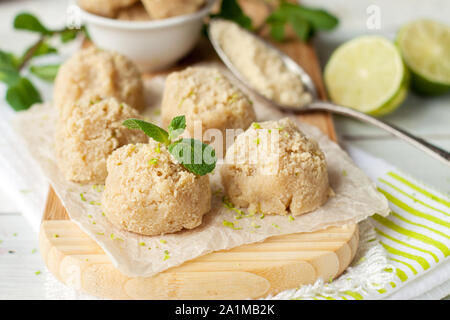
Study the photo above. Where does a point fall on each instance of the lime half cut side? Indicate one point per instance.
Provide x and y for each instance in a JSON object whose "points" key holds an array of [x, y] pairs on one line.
{"points": [[425, 47], [367, 74]]}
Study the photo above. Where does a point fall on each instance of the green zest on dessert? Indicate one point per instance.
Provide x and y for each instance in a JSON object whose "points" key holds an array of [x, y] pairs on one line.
{"points": [[230, 224]]}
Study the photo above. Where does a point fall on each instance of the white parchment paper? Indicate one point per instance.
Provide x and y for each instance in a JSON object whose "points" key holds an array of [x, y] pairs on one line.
{"points": [[355, 199]]}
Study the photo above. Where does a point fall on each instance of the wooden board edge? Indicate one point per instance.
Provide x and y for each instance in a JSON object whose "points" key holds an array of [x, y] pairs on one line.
{"points": [[94, 273]]}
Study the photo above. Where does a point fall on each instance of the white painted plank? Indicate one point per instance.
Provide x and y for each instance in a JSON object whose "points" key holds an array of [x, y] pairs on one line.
{"points": [[20, 260]]}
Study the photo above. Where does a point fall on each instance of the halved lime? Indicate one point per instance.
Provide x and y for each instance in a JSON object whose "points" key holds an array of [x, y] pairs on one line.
{"points": [[425, 47], [367, 74]]}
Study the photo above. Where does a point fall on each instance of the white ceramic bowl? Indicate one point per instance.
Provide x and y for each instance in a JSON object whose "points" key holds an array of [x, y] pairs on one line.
{"points": [[152, 45]]}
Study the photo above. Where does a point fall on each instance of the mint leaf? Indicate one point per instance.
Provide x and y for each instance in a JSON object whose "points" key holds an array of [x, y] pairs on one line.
{"points": [[231, 10], [156, 133], [47, 72], [68, 35], [27, 21], [304, 21], [277, 31], [176, 127], [8, 60], [22, 95], [319, 18], [301, 28], [8, 68], [9, 76], [195, 156], [43, 49]]}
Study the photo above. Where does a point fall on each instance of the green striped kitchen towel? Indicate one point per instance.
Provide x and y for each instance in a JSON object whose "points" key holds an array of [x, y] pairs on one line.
{"points": [[394, 251]]}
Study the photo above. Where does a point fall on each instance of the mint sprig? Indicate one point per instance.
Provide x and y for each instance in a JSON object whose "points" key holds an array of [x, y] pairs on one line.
{"points": [[21, 93], [153, 131], [304, 21], [194, 155], [231, 10], [177, 127]]}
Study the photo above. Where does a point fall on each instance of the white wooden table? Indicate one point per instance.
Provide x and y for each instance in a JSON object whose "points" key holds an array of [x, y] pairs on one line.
{"points": [[22, 271]]}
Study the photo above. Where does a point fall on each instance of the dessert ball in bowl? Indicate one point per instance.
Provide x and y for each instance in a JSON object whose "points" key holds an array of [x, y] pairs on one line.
{"points": [[154, 44]]}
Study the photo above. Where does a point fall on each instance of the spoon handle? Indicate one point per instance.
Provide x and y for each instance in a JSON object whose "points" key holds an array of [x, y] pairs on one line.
{"points": [[419, 143]]}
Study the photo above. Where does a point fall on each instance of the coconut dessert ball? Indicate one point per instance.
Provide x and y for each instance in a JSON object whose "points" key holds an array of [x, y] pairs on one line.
{"points": [[86, 136], [105, 8], [273, 168], [205, 94], [136, 12], [97, 73], [161, 9], [149, 193]]}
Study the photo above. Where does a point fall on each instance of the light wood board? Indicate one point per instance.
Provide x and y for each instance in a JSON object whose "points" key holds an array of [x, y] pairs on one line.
{"points": [[250, 271]]}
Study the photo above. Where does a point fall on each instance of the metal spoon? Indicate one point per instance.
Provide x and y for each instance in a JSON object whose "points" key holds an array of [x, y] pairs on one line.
{"points": [[317, 105]]}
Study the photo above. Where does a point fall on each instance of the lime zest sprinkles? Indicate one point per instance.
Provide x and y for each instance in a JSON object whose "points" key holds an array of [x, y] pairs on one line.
{"points": [[15, 234], [98, 188], [291, 218], [166, 255], [142, 244], [158, 148], [82, 197], [33, 251], [230, 224], [37, 272], [153, 162], [184, 98], [275, 225], [113, 237], [95, 203], [262, 216], [101, 233], [344, 173], [256, 226], [234, 97], [256, 125], [56, 236], [230, 206], [163, 241], [257, 141]]}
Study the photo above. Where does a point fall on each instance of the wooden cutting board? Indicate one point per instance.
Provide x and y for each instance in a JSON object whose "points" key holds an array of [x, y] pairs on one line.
{"points": [[250, 271]]}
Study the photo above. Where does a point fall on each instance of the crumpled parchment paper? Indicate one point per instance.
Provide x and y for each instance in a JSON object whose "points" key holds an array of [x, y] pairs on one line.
{"points": [[355, 199]]}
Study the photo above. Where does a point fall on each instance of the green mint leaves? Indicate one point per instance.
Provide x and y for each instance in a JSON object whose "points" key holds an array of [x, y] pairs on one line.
{"points": [[231, 10], [196, 156], [156, 133], [47, 73], [27, 21], [21, 93], [305, 21], [176, 127]]}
